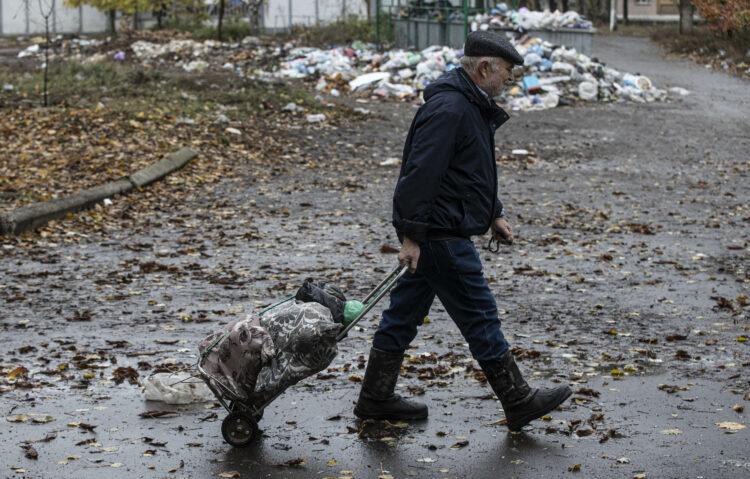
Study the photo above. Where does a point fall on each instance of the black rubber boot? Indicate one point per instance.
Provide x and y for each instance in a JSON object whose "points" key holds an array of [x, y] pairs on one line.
{"points": [[376, 399], [521, 403]]}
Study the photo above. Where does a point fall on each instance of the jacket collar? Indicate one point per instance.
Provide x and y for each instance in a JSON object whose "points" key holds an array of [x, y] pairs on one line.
{"points": [[496, 115]]}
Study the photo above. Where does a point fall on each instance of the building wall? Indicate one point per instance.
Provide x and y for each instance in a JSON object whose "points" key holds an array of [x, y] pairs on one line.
{"points": [[649, 7], [24, 17], [308, 12]]}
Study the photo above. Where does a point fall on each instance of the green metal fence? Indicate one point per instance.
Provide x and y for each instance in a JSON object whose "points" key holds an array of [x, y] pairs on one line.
{"points": [[416, 25]]}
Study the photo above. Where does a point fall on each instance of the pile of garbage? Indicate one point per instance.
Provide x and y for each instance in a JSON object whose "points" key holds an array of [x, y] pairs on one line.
{"points": [[396, 73], [503, 17], [556, 75], [552, 75], [144, 50], [70, 47]]}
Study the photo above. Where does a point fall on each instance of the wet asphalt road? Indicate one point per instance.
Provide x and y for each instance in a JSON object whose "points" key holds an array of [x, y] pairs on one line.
{"points": [[631, 220]]}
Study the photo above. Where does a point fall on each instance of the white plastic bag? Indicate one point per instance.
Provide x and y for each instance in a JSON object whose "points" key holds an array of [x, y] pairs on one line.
{"points": [[588, 90], [176, 388]]}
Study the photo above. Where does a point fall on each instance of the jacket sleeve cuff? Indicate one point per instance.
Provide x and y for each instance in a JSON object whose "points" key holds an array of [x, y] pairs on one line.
{"points": [[499, 210], [415, 230]]}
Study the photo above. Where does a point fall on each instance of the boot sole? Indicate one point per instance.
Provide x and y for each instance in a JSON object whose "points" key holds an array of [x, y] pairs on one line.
{"points": [[392, 417], [518, 424]]}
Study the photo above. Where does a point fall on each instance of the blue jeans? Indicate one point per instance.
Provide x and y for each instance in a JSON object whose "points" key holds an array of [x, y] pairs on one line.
{"points": [[452, 270]]}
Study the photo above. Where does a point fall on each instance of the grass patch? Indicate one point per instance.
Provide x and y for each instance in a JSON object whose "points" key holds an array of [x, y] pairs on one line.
{"points": [[344, 32], [709, 47], [233, 30], [126, 87], [702, 37]]}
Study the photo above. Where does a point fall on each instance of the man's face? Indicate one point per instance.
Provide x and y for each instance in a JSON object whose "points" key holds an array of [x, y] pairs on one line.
{"points": [[496, 74]]}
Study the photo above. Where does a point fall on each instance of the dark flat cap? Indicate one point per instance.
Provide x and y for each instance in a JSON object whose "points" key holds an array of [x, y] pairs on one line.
{"points": [[491, 44]]}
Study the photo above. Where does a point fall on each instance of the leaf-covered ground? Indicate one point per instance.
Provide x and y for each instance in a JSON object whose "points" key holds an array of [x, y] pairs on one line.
{"points": [[108, 120]]}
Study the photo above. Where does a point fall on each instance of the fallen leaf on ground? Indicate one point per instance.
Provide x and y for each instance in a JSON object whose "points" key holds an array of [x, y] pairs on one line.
{"points": [[121, 374], [30, 452], [17, 418], [155, 414], [179, 466], [730, 426], [299, 462], [229, 474], [671, 388], [16, 372], [41, 418]]}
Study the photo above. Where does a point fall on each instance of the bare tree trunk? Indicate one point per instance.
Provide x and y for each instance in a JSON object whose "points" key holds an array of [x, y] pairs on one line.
{"points": [[221, 18], [256, 7], [113, 21], [625, 11], [46, 57], [686, 16], [565, 5], [552, 5], [46, 14]]}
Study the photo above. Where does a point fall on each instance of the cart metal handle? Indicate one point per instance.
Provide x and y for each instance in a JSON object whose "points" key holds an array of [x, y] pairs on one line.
{"points": [[375, 296]]}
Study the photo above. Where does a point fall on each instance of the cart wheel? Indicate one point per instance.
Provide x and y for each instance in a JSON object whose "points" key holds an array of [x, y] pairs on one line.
{"points": [[259, 415], [239, 429]]}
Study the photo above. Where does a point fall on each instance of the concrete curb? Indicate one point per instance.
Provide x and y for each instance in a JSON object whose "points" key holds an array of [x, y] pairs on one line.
{"points": [[159, 170], [37, 214]]}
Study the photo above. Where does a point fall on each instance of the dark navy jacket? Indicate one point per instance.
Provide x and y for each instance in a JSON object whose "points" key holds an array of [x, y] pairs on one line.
{"points": [[448, 179]]}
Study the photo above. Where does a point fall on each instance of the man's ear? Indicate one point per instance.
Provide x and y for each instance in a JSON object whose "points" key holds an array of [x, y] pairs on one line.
{"points": [[484, 67]]}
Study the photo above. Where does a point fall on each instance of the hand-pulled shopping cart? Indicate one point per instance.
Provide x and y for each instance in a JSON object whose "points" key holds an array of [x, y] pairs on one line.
{"points": [[283, 363]]}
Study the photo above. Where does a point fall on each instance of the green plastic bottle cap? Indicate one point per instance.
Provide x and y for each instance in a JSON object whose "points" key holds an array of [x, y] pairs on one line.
{"points": [[352, 309]]}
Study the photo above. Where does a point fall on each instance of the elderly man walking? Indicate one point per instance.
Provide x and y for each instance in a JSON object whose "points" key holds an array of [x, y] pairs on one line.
{"points": [[446, 193]]}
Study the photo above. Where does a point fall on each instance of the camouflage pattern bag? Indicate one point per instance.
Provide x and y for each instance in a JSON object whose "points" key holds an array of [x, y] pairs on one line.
{"points": [[243, 348], [259, 356]]}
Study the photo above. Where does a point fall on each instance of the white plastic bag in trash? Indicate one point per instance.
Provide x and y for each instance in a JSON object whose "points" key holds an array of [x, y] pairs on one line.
{"points": [[176, 388], [367, 79], [588, 90]]}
